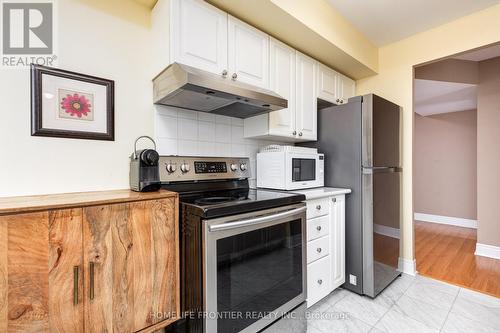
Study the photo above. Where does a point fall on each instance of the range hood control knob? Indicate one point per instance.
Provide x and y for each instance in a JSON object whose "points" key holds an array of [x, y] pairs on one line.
{"points": [[234, 167], [171, 168], [243, 166], [185, 168]]}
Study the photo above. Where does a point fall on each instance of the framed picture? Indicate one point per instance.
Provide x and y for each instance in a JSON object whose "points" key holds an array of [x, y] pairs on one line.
{"points": [[71, 105]]}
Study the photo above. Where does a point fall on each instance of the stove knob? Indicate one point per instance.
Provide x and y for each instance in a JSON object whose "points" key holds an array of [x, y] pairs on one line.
{"points": [[243, 166], [171, 168], [234, 167], [185, 167]]}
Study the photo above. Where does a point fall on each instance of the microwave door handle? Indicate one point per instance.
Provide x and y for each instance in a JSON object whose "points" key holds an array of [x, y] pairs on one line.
{"points": [[257, 220]]}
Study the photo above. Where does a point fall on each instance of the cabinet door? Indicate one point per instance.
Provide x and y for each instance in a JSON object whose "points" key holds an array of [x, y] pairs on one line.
{"points": [[41, 272], [248, 54], [306, 107], [337, 234], [327, 84], [131, 255], [282, 82], [198, 35], [346, 88]]}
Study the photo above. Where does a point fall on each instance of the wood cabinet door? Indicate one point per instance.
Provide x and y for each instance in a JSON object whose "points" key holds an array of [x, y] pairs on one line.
{"points": [[306, 97], [41, 272], [282, 82], [131, 255], [198, 33], [248, 54]]}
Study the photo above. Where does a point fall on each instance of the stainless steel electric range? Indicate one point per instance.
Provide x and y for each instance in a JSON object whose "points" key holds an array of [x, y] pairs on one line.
{"points": [[243, 253]]}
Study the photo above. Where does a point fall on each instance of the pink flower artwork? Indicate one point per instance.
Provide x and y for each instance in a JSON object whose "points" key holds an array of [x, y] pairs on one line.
{"points": [[76, 105]]}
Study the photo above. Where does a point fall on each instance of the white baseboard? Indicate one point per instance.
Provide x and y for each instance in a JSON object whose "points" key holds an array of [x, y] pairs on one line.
{"points": [[456, 221], [486, 250], [386, 231], [407, 266]]}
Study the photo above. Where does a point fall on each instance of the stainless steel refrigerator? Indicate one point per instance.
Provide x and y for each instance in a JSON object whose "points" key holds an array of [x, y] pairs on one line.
{"points": [[361, 141]]}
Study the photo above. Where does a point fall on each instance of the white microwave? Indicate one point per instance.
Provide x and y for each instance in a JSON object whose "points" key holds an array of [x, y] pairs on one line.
{"points": [[290, 168]]}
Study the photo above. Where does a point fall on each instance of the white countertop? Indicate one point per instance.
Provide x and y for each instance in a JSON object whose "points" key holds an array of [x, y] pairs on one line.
{"points": [[321, 192]]}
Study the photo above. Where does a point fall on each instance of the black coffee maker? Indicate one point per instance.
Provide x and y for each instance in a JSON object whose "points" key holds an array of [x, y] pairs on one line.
{"points": [[144, 170]]}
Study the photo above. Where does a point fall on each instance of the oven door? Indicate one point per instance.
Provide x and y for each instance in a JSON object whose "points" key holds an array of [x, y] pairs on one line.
{"points": [[254, 268], [303, 171]]}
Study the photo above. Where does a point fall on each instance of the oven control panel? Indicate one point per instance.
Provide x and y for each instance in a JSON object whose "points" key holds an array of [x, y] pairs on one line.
{"points": [[189, 168]]}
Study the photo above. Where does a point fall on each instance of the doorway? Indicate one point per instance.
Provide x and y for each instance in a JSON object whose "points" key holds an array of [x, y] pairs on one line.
{"points": [[455, 126]]}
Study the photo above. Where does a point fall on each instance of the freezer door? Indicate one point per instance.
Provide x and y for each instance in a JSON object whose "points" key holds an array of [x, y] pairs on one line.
{"points": [[381, 227], [381, 123]]}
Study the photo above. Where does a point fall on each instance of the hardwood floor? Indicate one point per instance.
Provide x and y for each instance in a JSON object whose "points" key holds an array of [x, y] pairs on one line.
{"points": [[447, 253]]}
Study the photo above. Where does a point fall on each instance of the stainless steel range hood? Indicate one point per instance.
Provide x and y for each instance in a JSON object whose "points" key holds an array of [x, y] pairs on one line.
{"points": [[191, 88]]}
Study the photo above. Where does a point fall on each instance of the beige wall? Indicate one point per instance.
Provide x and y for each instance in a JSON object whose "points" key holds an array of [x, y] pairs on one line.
{"points": [[445, 160], [395, 82], [109, 39], [488, 147]]}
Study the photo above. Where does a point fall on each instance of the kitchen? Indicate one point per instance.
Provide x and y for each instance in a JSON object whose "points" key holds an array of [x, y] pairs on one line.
{"points": [[237, 60]]}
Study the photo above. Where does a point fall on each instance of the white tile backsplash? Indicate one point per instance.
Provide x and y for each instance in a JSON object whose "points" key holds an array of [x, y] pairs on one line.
{"points": [[186, 132]]}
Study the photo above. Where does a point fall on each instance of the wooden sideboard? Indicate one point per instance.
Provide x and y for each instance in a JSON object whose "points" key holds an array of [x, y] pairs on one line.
{"points": [[89, 262]]}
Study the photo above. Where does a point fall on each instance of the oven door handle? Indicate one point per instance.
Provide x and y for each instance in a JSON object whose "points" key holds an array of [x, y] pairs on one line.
{"points": [[257, 220]]}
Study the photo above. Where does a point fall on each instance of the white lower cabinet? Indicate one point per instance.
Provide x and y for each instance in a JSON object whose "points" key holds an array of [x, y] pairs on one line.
{"points": [[318, 280], [325, 246]]}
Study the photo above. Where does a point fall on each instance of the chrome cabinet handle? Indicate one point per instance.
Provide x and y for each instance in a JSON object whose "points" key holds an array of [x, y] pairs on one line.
{"points": [[300, 133], [76, 270], [318, 207], [294, 132], [91, 276], [235, 76], [320, 281], [318, 249], [318, 228], [224, 73]]}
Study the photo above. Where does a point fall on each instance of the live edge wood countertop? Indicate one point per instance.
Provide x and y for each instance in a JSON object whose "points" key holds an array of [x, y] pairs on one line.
{"points": [[27, 204]]}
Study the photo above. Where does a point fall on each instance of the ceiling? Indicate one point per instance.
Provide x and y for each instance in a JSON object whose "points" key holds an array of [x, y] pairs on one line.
{"points": [[387, 21], [436, 97], [481, 54]]}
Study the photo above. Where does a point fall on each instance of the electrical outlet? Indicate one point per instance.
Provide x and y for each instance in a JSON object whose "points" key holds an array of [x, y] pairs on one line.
{"points": [[352, 279]]}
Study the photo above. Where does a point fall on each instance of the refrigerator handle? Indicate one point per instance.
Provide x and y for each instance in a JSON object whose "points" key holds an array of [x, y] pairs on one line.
{"points": [[372, 170]]}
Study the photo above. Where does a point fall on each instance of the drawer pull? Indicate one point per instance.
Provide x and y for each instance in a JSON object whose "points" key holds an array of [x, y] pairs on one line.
{"points": [[320, 281], [318, 207], [334, 199], [318, 249], [75, 284], [91, 276], [318, 228]]}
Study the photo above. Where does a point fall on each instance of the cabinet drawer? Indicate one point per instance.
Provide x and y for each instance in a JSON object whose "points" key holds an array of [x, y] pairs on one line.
{"points": [[318, 280], [318, 207], [318, 227], [318, 248]]}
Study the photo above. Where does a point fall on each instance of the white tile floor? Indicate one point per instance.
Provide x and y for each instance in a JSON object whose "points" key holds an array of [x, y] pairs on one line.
{"points": [[409, 304]]}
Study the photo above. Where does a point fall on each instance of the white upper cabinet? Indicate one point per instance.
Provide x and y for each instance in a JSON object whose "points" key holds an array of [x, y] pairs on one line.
{"points": [[334, 87], [346, 88], [282, 82], [327, 84], [198, 33], [306, 97], [248, 53]]}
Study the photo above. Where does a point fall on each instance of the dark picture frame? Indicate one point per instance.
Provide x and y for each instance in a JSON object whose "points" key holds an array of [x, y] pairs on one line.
{"points": [[37, 73]]}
